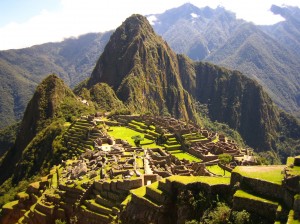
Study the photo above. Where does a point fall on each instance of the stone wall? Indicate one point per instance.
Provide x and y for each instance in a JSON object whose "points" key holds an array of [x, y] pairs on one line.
{"points": [[260, 187], [264, 209]]}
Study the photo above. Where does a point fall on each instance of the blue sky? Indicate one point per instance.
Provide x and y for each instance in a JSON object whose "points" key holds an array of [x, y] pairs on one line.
{"points": [[24, 23], [21, 10]]}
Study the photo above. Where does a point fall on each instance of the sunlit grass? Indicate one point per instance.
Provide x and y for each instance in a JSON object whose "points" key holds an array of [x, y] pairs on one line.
{"points": [[218, 170], [202, 179], [126, 134], [271, 174], [243, 194], [184, 155]]}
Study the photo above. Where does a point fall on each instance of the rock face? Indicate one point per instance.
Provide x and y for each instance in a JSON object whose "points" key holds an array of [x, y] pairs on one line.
{"points": [[238, 101], [143, 71]]}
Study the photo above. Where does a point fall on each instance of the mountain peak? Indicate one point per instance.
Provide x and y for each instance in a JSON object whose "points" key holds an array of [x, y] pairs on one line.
{"points": [[123, 49], [142, 69]]}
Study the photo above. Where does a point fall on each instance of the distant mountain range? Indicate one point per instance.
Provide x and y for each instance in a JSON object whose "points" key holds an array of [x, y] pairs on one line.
{"points": [[22, 70], [268, 54]]}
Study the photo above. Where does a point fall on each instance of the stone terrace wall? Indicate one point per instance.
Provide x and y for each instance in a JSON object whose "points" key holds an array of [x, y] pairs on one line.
{"points": [[267, 210], [264, 188]]}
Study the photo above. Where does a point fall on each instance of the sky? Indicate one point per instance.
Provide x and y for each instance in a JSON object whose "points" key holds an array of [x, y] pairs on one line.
{"points": [[24, 23]]}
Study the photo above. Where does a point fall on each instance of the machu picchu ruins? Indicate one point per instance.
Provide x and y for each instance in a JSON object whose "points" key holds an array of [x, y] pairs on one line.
{"points": [[110, 179]]}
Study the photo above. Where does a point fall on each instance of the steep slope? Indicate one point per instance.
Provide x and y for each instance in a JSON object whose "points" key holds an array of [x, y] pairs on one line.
{"points": [[51, 104], [143, 71], [240, 102], [262, 58], [22, 70], [215, 35]]}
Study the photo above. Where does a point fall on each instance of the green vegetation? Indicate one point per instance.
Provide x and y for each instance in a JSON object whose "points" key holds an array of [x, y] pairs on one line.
{"points": [[184, 155], [137, 140], [243, 194], [218, 170], [10, 205], [202, 179], [126, 134], [271, 174], [8, 137]]}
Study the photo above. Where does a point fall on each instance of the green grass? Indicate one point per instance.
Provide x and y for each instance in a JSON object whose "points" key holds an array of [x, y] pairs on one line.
{"points": [[126, 134], [267, 173], [10, 205], [218, 170], [290, 161], [184, 155], [139, 191], [201, 179], [23, 195], [243, 194]]}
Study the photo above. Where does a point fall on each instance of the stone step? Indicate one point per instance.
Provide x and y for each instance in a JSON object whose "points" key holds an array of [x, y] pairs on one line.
{"points": [[164, 186], [173, 147], [170, 143], [105, 202], [89, 214], [93, 206], [155, 195]]}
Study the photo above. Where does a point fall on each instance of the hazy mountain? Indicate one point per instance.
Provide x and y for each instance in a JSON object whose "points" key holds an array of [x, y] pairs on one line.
{"points": [[216, 35], [193, 31], [22, 70], [286, 32], [265, 60]]}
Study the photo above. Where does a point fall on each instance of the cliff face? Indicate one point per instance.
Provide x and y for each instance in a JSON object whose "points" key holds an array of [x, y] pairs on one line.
{"points": [[238, 101], [143, 71]]}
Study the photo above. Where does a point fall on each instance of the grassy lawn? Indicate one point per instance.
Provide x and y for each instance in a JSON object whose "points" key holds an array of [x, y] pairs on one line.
{"points": [[184, 155], [218, 170], [202, 179], [126, 134], [267, 173], [243, 194]]}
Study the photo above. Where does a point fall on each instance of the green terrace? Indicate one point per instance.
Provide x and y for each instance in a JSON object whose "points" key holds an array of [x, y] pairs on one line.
{"points": [[203, 179], [271, 174], [246, 195], [125, 133], [79, 137], [215, 169]]}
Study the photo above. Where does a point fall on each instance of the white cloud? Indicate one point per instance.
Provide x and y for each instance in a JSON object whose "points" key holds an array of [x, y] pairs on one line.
{"points": [[82, 16], [194, 15], [152, 19]]}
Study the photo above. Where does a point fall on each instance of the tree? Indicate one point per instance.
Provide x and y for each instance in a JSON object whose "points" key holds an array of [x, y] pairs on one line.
{"points": [[225, 159], [137, 140]]}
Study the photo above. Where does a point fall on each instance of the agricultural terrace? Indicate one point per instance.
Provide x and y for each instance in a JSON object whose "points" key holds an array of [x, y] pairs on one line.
{"points": [[171, 145], [126, 134], [271, 174]]}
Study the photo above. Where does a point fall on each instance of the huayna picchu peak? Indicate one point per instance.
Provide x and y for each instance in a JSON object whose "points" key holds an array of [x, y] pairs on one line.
{"points": [[152, 137], [143, 71]]}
